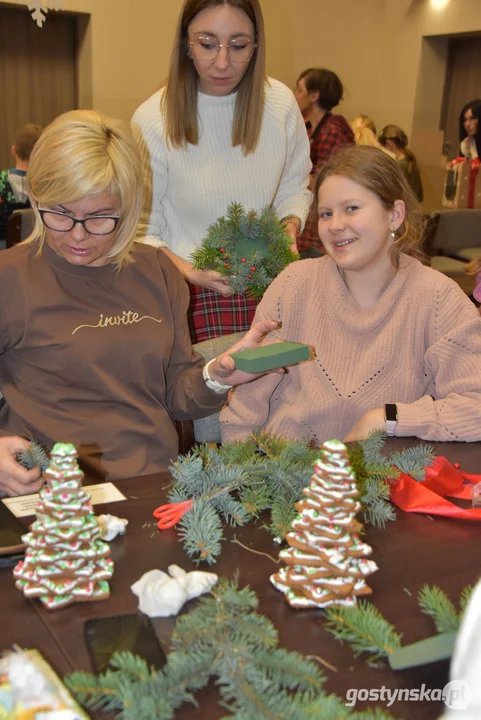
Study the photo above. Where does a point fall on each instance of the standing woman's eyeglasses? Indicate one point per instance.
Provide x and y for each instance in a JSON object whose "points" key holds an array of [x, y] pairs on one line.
{"points": [[94, 225], [205, 47]]}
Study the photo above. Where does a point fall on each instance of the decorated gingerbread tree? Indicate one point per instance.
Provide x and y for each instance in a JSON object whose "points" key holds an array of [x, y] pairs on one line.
{"points": [[66, 561], [326, 561]]}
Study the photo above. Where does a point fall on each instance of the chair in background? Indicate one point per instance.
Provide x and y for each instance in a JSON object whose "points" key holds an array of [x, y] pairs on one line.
{"points": [[20, 226], [206, 430], [452, 239]]}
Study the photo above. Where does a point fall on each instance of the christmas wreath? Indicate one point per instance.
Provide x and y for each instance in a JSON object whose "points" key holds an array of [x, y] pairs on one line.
{"points": [[250, 249]]}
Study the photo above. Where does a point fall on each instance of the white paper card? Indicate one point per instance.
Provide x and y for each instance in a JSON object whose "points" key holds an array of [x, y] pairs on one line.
{"points": [[25, 505]]}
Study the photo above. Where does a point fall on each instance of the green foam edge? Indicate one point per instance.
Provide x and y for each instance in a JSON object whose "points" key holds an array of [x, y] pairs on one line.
{"points": [[268, 357], [430, 650]]}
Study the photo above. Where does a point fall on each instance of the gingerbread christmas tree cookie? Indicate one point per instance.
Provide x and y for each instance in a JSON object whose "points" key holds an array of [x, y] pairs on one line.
{"points": [[326, 560], [66, 561]]}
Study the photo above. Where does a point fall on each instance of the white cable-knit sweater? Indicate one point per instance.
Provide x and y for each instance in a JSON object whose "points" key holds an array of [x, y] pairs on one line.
{"points": [[189, 189], [419, 347]]}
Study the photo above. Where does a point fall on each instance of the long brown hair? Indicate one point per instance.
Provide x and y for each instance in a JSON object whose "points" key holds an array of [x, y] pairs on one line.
{"points": [[179, 102], [379, 173]]}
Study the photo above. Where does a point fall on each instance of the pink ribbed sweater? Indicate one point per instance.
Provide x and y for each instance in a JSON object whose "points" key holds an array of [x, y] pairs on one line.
{"points": [[419, 347]]}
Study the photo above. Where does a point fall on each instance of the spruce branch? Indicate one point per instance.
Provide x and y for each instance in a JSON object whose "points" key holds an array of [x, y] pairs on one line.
{"points": [[223, 639], [269, 473], [434, 602], [364, 629], [414, 461]]}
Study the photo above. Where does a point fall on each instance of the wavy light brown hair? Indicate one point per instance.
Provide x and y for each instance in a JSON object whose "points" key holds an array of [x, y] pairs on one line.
{"points": [[400, 140], [380, 174], [84, 153], [25, 140], [179, 101]]}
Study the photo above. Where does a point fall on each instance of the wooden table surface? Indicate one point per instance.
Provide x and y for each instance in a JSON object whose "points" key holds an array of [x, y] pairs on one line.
{"points": [[412, 551]]}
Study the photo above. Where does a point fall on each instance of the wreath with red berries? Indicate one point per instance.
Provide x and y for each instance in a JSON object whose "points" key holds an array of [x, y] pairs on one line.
{"points": [[249, 248]]}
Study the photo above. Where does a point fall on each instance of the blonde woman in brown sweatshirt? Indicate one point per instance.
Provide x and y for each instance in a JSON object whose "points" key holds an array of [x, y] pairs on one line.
{"points": [[398, 344], [94, 343]]}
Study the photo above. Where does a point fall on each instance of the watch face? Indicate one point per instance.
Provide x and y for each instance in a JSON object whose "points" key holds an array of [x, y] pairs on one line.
{"points": [[391, 412]]}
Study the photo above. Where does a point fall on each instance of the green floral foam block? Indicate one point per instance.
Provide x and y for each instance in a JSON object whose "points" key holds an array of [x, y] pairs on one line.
{"points": [[268, 357], [429, 650]]}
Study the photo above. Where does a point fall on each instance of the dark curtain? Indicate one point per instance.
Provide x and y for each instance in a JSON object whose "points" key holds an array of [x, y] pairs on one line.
{"points": [[38, 71]]}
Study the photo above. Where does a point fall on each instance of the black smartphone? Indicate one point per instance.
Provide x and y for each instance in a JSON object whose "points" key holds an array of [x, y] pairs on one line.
{"points": [[11, 531], [121, 633]]}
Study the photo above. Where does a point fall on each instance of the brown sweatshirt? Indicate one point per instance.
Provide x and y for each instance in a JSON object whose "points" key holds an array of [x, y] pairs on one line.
{"points": [[99, 358]]}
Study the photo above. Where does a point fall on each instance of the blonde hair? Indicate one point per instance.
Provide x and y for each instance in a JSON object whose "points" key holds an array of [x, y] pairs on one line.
{"points": [[381, 175], [83, 153], [363, 121], [179, 101], [365, 136], [364, 131]]}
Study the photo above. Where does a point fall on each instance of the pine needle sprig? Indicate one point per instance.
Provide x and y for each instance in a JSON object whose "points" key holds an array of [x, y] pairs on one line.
{"points": [[375, 713], [364, 629], [434, 602], [414, 461], [35, 455], [373, 445], [465, 597], [201, 531]]}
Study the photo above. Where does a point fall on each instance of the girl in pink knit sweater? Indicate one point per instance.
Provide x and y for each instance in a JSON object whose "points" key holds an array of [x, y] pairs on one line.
{"points": [[474, 268], [397, 344]]}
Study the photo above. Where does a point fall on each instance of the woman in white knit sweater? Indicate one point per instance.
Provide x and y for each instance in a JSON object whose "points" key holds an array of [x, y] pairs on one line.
{"points": [[398, 345], [218, 132]]}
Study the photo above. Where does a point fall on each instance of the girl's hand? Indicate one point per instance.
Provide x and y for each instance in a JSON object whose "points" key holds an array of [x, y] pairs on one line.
{"points": [[370, 421], [210, 279], [223, 370], [292, 228], [15, 479]]}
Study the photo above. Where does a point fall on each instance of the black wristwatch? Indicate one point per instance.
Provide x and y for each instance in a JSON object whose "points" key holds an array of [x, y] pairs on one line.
{"points": [[391, 419]]}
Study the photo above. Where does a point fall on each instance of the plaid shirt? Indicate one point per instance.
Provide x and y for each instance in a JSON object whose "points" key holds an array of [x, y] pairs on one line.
{"points": [[334, 132]]}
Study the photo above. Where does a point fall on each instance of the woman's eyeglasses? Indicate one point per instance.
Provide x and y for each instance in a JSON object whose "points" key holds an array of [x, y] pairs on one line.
{"points": [[204, 47], [94, 225]]}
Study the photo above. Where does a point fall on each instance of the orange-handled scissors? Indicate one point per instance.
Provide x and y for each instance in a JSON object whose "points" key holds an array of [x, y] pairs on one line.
{"points": [[170, 514]]}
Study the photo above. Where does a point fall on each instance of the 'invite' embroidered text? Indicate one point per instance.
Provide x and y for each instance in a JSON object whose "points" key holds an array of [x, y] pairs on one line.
{"points": [[127, 318]]}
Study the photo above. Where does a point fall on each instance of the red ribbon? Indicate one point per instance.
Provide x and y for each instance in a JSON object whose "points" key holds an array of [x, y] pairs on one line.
{"points": [[442, 480]]}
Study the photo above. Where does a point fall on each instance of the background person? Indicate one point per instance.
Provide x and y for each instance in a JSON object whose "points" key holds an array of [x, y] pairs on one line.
{"points": [[386, 329], [13, 182], [317, 92], [470, 130], [394, 139], [365, 133], [219, 131]]}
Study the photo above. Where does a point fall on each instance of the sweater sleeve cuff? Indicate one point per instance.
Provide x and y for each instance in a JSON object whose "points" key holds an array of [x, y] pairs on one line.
{"points": [[205, 398], [414, 419]]}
